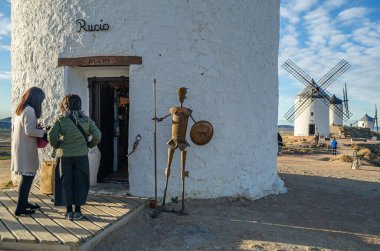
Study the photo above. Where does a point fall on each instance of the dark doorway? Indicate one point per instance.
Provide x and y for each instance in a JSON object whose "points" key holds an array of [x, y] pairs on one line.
{"points": [[109, 108], [311, 129]]}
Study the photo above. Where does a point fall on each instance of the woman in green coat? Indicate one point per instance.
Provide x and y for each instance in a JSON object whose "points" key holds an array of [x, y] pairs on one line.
{"points": [[71, 135]]}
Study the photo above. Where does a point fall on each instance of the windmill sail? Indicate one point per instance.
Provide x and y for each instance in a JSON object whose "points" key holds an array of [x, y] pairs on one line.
{"points": [[316, 88], [375, 120], [333, 74], [347, 112]]}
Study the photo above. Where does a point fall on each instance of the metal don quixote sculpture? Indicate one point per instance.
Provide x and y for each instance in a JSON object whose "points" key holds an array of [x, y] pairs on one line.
{"points": [[200, 134]]}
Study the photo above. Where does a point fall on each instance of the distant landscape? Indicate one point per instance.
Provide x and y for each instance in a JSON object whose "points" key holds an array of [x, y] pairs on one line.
{"points": [[285, 129], [5, 138]]}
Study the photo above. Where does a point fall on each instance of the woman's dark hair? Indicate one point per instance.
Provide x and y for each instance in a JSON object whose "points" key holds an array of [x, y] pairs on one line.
{"points": [[71, 102], [32, 97]]}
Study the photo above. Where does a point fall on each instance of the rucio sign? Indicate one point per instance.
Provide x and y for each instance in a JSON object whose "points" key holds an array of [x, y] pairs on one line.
{"points": [[83, 26]]}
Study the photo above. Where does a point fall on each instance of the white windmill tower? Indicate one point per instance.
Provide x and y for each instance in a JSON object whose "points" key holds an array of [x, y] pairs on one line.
{"points": [[334, 118], [315, 117], [366, 122], [310, 112], [342, 105]]}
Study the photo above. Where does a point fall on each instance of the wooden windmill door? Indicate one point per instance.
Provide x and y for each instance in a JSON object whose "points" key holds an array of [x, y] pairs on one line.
{"points": [[112, 119], [311, 129]]}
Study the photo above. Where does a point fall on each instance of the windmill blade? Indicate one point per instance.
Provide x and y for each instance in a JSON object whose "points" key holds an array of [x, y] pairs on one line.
{"points": [[298, 73], [347, 111], [326, 97], [341, 112], [298, 108], [336, 109], [333, 74], [376, 119], [345, 100], [345, 115], [375, 111]]}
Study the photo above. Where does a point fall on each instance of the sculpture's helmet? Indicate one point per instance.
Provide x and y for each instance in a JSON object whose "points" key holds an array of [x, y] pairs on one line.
{"points": [[181, 91]]}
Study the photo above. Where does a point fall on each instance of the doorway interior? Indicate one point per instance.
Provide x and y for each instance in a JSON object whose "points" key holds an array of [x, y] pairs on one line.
{"points": [[311, 129], [109, 108]]}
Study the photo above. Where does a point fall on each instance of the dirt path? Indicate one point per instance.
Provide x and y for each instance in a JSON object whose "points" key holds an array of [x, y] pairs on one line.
{"points": [[328, 207]]}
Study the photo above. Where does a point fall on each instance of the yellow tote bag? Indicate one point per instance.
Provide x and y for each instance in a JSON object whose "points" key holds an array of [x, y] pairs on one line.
{"points": [[47, 176]]}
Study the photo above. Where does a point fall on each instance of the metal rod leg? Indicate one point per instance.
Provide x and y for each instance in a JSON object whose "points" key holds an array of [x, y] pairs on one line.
{"points": [[167, 172], [184, 174]]}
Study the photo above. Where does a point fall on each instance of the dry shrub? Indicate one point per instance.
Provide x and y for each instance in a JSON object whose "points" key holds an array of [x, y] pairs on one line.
{"points": [[7, 185], [365, 153], [346, 158]]}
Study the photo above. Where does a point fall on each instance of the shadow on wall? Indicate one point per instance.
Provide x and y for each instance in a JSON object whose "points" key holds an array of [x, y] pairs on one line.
{"points": [[317, 211]]}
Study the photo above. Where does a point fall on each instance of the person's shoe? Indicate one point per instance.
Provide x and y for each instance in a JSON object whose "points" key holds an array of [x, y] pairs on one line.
{"points": [[24, 212], [69, 215], [78, 215], [33, 206]]}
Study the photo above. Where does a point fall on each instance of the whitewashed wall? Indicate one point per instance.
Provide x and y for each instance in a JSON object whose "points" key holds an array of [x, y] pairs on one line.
{"points": [[225, 52], [320, 118], [365, 124], [334, 118], [302, 121]]}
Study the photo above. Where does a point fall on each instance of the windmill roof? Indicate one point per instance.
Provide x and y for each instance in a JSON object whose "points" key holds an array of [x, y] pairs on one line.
{"points": [[366, 118], [306, 93], [335, 100]]}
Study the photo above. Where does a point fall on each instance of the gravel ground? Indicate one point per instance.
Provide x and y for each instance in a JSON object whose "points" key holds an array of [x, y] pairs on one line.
{"points": [[328, 207]]}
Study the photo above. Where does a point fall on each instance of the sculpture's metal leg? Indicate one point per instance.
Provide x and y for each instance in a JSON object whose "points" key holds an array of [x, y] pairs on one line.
{"points": [[184, 174], [167, 172]]}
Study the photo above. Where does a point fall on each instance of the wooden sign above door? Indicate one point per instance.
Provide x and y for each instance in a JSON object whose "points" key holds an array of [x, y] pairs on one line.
{"points": [[100, 61]]}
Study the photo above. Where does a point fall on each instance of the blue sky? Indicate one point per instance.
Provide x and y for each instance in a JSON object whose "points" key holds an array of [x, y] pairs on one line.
{"points": [[5, 62], [315, 34]]}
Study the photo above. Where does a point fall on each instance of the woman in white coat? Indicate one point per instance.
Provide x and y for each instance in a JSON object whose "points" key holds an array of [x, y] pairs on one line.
{"points": [[25, 132]]}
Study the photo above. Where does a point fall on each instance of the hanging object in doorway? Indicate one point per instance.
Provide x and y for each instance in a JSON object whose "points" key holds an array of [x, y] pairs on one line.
{"points": [[135, 145]]}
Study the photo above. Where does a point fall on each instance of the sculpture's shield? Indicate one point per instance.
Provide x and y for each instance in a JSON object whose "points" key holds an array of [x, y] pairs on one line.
{"points": [[201, 132]]}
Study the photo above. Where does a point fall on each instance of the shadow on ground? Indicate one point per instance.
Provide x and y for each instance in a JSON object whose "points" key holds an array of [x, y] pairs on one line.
{"points": [[316, 213]]}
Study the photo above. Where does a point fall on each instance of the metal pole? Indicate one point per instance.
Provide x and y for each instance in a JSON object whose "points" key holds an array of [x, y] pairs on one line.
{"points": [[155, 146]]}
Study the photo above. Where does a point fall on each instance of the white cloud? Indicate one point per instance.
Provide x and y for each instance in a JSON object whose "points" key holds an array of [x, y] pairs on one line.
{"points": [[303, 5], [332, 4], [293, 8], [5, 47], [353, 13], [5, 75], [5, 25]]}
